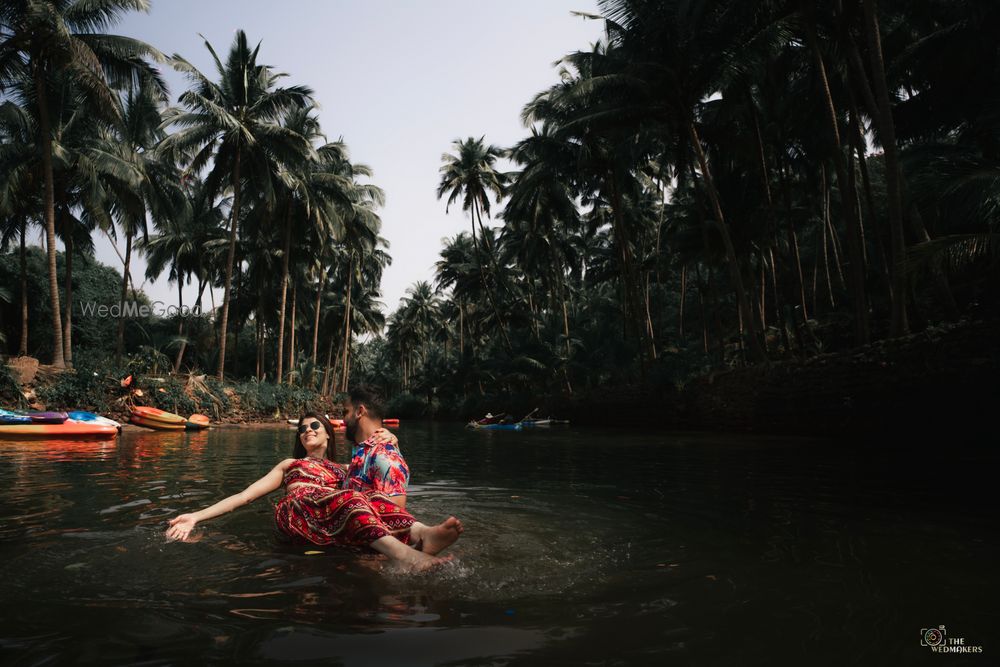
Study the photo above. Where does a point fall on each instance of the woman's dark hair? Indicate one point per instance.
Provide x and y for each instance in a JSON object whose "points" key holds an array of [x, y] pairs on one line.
{"points": [[368, 397], [299, 452]]}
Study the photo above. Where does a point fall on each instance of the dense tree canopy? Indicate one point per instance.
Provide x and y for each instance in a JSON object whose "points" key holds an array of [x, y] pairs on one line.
{"points": [[712, 184]]}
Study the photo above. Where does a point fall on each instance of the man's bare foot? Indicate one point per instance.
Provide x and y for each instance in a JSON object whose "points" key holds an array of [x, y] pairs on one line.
{"points": [[435, 539]]}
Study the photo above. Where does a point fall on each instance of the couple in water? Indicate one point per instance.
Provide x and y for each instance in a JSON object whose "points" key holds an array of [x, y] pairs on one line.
{"points": [[360, 506]]}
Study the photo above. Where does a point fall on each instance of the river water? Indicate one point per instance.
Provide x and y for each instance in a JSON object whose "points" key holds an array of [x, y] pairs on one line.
{"points": [[582, 547]]}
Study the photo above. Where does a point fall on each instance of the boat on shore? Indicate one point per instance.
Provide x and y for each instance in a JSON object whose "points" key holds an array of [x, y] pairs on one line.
{"points": [[161, 420], [74, 425], [68, 430], [92, 418]]}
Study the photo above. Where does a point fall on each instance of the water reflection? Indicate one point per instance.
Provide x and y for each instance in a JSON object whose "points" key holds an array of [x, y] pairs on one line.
{"points": [[580, 547]]}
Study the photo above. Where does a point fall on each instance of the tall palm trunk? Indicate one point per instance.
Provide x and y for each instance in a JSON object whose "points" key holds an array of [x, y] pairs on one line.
{"points": [[736, 276], [285, 245], [291, 338], [650, 334], [318, 309], [772, 224], [201, 288], [680, 317], [182, 344], [855, 245], [22, 349], [701, 307], [230, 257], [461, 330], [630, 282], [120, 342], [825, 242], [887, 133], [44, 129], [482, 274], [347, 322], [793, 243], [565, 319], [534, 313], [68, 306], [327, 375]]}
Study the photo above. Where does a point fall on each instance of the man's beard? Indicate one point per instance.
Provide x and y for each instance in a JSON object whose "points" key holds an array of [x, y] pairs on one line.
{"points": [[351, 430]]}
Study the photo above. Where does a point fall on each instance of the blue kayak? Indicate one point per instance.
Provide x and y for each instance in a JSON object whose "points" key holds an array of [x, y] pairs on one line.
{"points": [[10, 417], [91, 418], [496, 427]]}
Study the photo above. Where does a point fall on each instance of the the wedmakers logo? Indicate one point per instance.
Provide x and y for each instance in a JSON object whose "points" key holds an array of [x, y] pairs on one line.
{"points": [[938, 641]]}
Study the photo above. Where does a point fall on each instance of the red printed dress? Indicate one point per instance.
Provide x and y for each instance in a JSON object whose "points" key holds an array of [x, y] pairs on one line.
{"points": [[317, 510]]}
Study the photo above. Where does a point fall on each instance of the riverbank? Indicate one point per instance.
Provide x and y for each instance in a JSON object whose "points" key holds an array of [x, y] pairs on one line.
{"points": [[942, 379], [113, 393]]}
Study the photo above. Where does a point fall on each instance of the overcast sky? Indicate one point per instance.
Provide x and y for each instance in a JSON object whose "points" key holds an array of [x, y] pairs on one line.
{"points": [[398, 80]]}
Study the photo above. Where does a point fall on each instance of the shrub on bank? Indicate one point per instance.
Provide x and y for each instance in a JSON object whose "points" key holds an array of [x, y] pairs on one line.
{"points": [[267, 399], [82, 388], [10, 390], [407, 406]]}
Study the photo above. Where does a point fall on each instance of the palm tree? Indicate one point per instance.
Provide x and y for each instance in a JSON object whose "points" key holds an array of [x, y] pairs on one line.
{"points": [[541, 211], [156, 191], [663, 58], [459, 270], [17, 203], [43, 38], [424, 312], [470, 175], [234, 124]]}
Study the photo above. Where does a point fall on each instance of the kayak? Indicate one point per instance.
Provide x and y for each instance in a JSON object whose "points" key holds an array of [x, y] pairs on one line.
{"points": [[390, 422], [10, 417], [67, 430], [531, 423], [197, 422], [48, 417], [91, 418], [140, 420], [154, 415], [496, 427]]}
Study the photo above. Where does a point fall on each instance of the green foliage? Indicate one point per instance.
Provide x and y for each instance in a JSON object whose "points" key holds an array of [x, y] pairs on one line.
{"points": [[407, 406], [10, 390], [86, 387], [268, 399]]}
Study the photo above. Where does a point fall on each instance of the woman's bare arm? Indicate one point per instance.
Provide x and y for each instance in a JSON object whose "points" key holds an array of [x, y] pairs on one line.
{"points": [[181, 526]]}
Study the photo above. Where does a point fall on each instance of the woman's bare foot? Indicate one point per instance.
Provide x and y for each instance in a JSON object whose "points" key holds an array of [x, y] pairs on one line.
{"points": [[406, 557], [435, 539], [421, 562]]}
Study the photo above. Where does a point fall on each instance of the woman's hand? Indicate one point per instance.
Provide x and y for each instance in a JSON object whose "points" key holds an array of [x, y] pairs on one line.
{"points": [[181, 526]]}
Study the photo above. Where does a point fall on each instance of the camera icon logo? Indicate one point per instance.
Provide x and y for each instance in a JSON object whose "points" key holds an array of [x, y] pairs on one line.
{"points": [[932, 636]]}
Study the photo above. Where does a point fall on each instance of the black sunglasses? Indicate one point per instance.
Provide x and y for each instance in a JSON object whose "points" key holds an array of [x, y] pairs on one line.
{"points": [[313, 425]]}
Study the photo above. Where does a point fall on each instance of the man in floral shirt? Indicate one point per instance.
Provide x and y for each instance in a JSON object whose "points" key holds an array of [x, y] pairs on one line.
{"points": [[376, 463]]}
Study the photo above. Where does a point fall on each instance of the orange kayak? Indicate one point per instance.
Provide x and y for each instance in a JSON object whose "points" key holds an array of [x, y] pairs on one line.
{"points": [[390, 422], [197, 422], [154, 424], [64, 431], [149, 414]]}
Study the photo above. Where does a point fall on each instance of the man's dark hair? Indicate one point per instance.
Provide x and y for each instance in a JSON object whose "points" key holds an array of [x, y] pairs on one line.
{"points": [[368, 397]]}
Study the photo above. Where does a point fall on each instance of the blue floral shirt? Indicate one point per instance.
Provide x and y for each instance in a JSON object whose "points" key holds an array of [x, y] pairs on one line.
{"points": [[378, 465]]}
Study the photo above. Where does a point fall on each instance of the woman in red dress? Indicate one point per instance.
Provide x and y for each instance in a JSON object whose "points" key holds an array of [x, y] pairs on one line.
{"points": [[316, 509]]}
